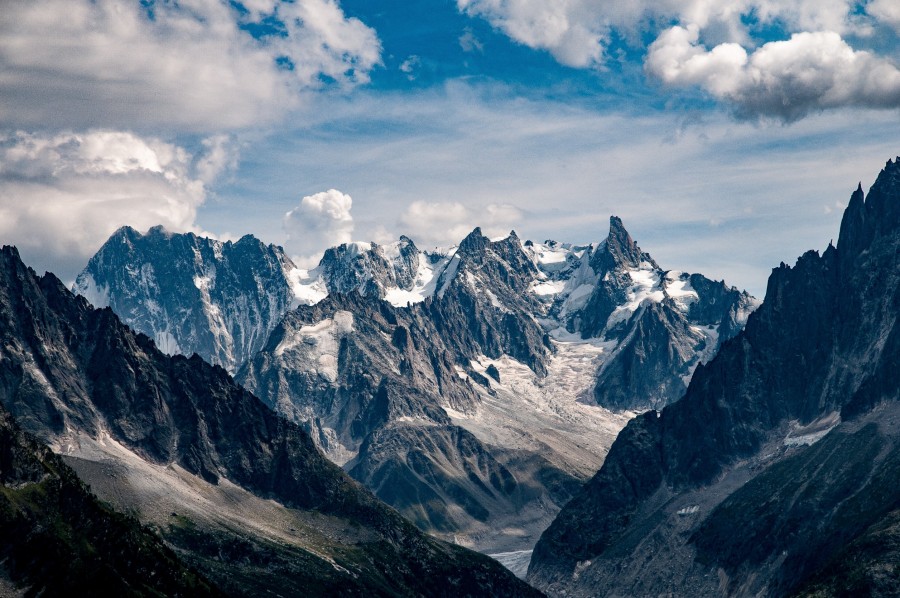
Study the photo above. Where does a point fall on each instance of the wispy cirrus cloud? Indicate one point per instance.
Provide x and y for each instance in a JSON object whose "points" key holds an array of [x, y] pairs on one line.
{"points": [[190, 66]]}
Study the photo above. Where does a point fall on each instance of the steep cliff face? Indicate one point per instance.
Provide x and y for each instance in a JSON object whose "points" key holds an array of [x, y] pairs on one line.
{"points": [[192, 294], [222, 476], [719, 492]]}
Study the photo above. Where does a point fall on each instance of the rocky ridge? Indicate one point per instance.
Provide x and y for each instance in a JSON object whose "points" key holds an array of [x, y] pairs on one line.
{"points": [[460, 409]]}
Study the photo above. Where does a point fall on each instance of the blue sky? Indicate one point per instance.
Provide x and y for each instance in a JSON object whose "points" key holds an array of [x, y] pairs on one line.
{"points": [[728, 134]]}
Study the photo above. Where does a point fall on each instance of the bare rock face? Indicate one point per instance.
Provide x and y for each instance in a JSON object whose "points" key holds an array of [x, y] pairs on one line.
{"points": [[147, 428], [192, 294], [775, 465]]}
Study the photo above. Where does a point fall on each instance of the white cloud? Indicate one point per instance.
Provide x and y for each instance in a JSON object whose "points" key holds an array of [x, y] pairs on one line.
{"points": [[432, 224], [814, 69], [572, 30], [320, 221], [61, 196], [109, 63], [220, 155], [785, 79], [575, 31], [887, 11]]}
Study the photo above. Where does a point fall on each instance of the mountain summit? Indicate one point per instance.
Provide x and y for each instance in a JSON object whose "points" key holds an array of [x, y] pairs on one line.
{"points": [[192, 294]]}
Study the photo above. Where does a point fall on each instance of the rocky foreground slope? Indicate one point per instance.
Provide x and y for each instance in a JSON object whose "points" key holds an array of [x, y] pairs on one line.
{"points": [[57, 539], [235, 490], [777, 472]]}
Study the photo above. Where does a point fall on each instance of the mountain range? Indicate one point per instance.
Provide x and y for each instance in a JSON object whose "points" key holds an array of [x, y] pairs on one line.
{"points": [[472, 388], [742, 448], [238, 493]]}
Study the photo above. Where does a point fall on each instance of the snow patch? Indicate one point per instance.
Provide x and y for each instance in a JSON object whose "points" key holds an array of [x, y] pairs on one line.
{"points": [[646, 287], [317, 345], [427, 275], [307, 286], [813, 432], [96, 295], [678, 287]]}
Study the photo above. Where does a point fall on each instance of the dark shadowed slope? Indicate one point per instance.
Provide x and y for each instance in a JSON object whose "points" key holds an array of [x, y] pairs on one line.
{"points": [[57, 539]]}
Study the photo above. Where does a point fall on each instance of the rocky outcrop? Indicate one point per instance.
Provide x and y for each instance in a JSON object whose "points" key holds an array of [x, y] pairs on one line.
{"points": [[370, 269], [110, 400], [719, 492]]}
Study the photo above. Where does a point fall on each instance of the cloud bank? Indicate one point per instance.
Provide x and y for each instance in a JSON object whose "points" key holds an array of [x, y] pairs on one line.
{"points": [[814, 69]]}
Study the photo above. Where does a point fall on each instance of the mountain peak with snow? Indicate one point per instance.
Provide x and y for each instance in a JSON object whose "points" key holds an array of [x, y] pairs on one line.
{"points": [[192, 294]]}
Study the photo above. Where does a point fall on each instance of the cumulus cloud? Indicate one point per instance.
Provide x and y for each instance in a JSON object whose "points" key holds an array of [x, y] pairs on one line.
{"points": [[887, 11], [190, 64], [219, 155], [786, 79], [575, 31], [62, 195], [320, 221], [447, 223], [572, 30], [756, 81]]}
